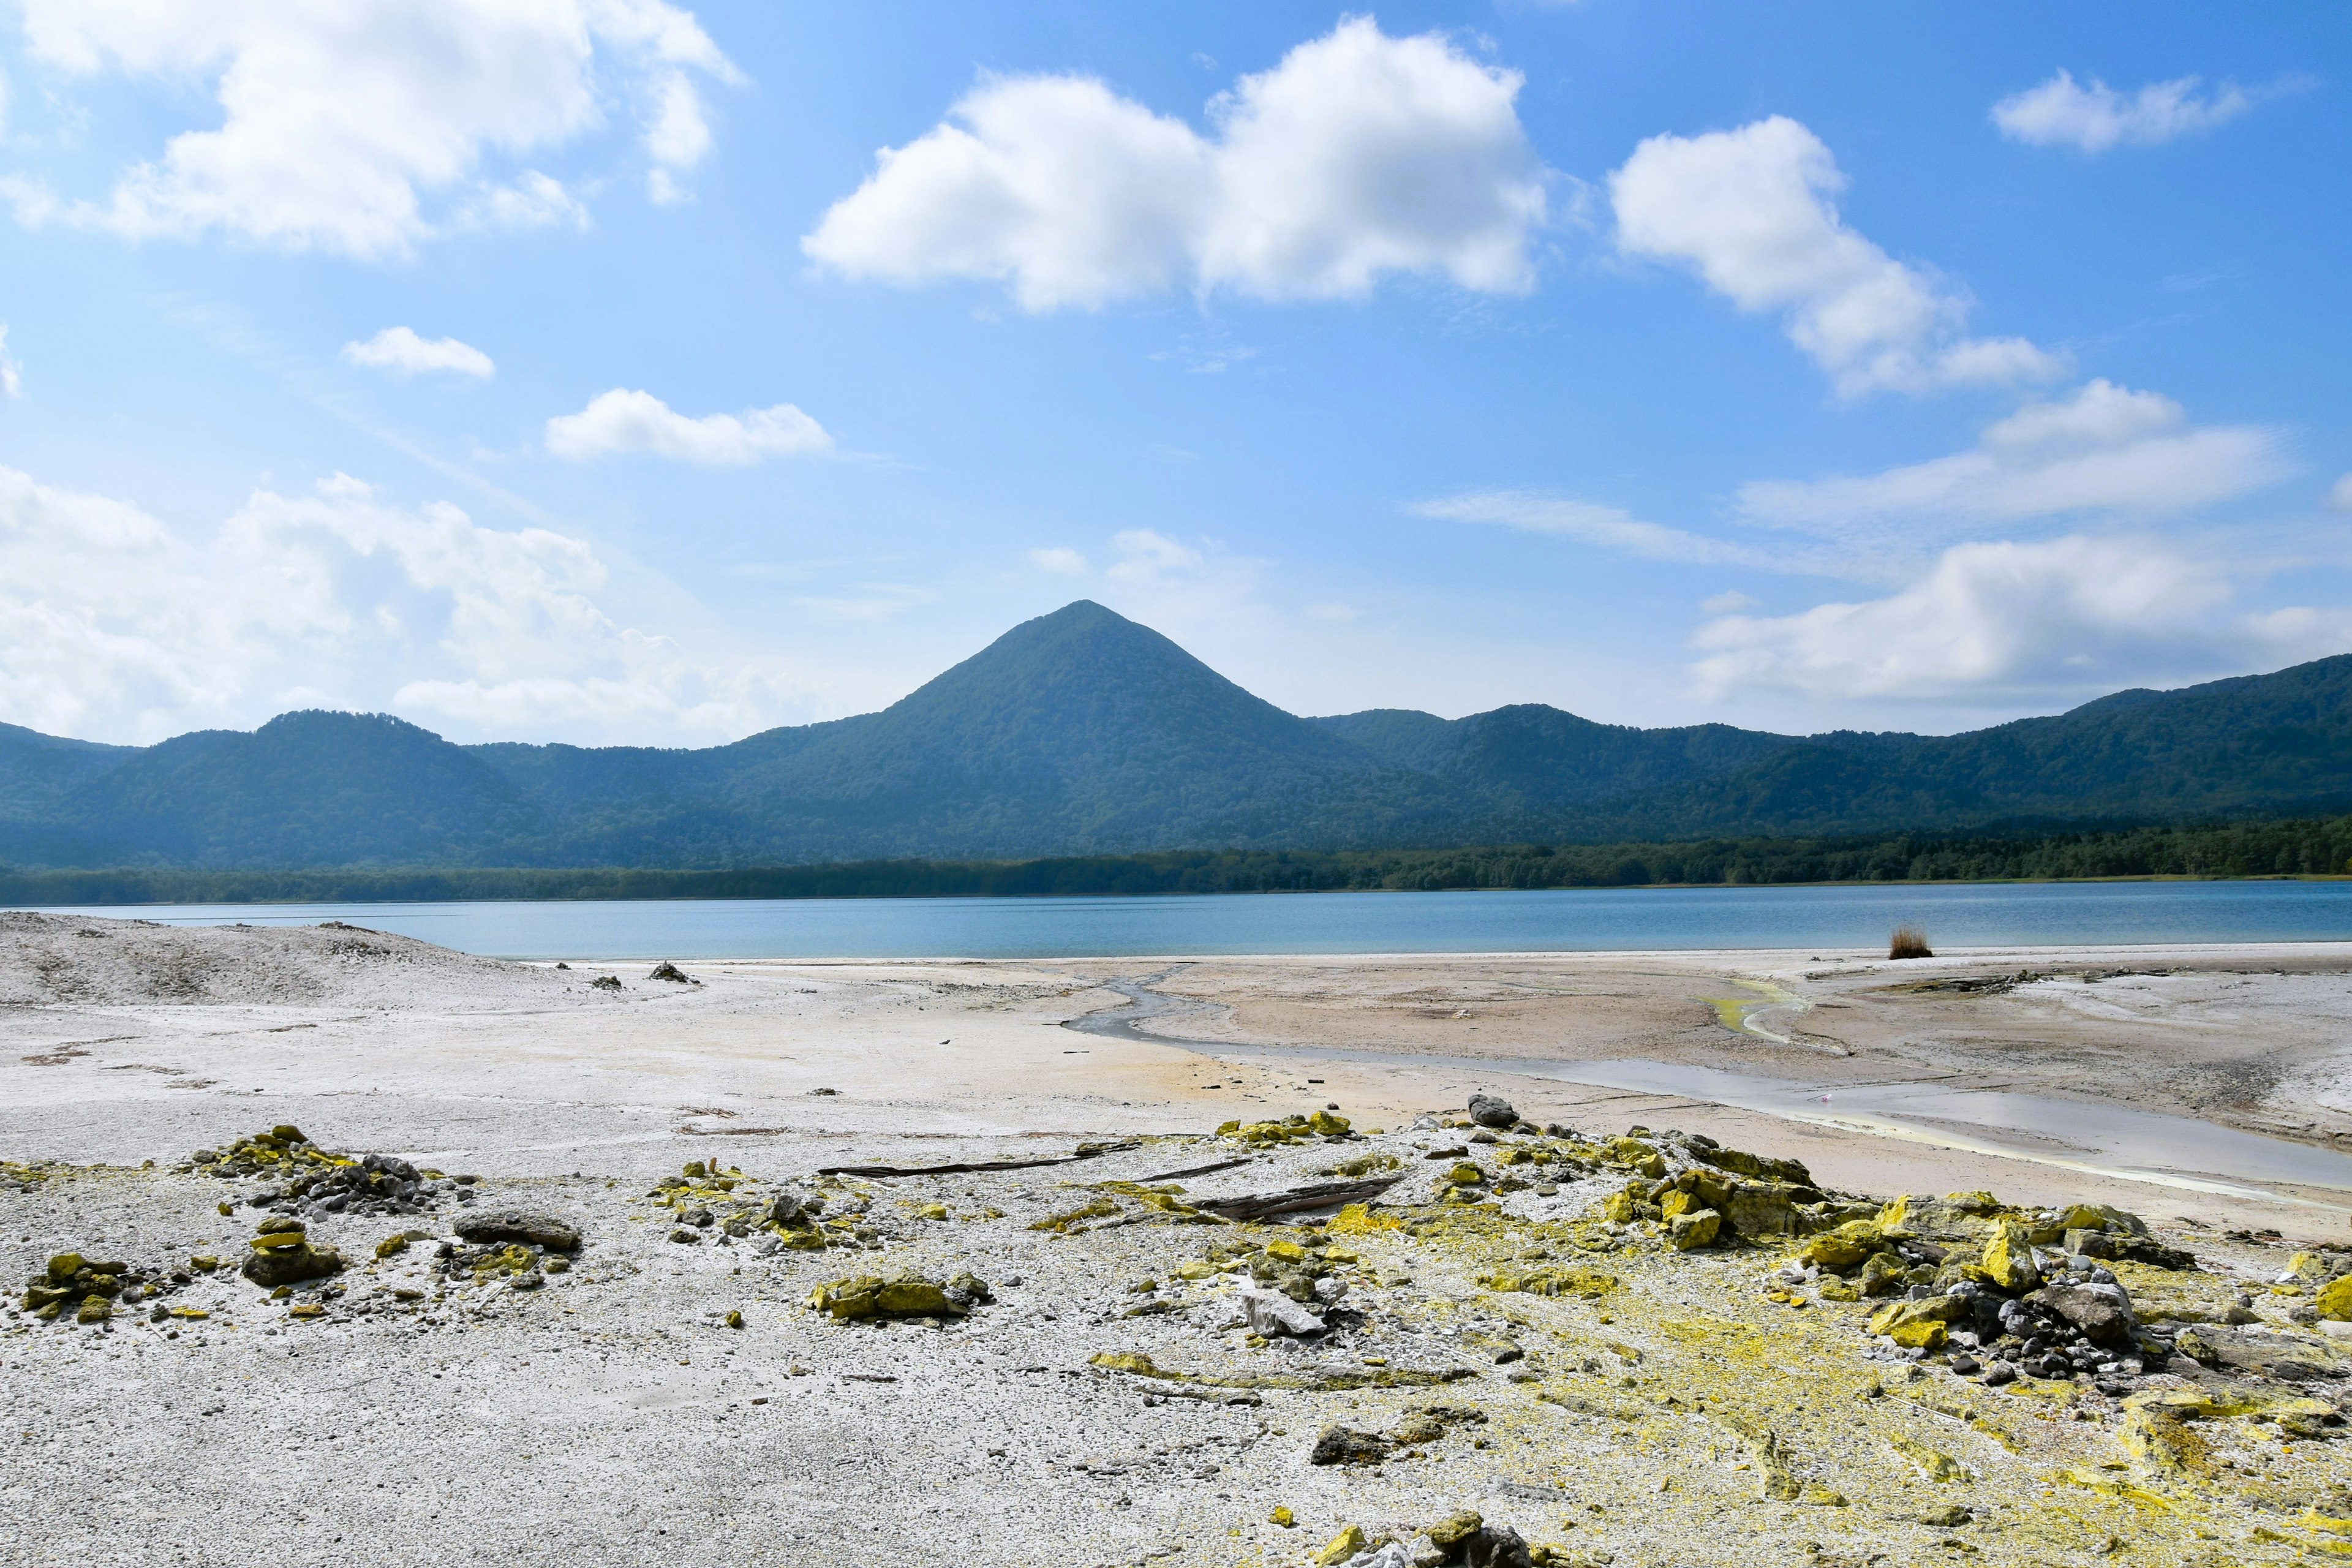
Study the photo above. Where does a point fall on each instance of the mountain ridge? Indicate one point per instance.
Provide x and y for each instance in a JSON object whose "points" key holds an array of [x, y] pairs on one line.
{"points": [[1083, 733]]}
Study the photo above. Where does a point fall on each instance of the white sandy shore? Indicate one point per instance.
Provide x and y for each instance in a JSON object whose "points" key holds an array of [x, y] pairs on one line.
{"points": [[615, 1417]]}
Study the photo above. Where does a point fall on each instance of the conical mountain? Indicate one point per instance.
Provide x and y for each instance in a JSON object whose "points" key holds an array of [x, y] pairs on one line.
{"points": [[1078, 732]]}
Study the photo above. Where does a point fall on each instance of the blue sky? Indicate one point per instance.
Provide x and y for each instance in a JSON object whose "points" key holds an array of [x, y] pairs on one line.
{"points": [[614, 371]]}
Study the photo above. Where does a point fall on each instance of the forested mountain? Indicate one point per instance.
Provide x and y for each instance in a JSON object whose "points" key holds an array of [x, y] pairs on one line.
{"points": [[1081, 733]]}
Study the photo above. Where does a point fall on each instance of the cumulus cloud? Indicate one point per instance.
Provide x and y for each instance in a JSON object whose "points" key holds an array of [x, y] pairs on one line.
{"points": [[1357, 156], [2103, 448], [1751, 211], [624, 421], [2009, 619], [402, 351], [2063, 112], [114, 625], [340, 123]]}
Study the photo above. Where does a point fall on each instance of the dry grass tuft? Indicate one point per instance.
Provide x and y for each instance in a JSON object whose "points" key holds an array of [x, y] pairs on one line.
{"points": [[1908, 941]]}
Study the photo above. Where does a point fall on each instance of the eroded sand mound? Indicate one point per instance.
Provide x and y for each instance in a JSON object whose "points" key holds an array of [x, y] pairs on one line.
{"points": [[46, 959]]}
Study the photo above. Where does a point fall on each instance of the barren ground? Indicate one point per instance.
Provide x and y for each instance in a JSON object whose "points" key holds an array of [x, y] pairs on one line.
{"points": [[611, 1415]]}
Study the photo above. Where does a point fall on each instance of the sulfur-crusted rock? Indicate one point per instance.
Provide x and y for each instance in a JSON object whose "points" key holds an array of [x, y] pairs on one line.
{"points": [[899, 1296], [2334, 1302], [1883, 1273], [1918, 1325], [287, 1257], [1586, 1284], [1696, 1229], [488, 1226], [1934, 1464], [1741, 1162], [393, 1246], [2009, 1257], [1342, 1547], [1846, 1247], [1764, 1209]]}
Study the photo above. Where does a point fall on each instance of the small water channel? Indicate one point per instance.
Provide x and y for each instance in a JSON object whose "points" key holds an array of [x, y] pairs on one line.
{"points": [[2092, 1136]]}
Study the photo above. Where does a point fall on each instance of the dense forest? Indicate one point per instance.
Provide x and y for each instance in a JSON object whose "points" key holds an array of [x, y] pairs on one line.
{"points": [[2303, 848], [1081, 735]]}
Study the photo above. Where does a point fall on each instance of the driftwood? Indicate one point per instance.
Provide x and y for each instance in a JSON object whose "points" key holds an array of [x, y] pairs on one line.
{"points": [[1200, 1170], [1323, 1195], [958, 1167]]}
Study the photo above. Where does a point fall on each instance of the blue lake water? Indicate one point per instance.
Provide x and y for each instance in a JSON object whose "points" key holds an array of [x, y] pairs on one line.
{"points": [[1577, 919]]}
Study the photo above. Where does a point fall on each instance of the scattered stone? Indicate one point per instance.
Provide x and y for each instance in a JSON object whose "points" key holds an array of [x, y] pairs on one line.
{"points": [[670, 972], [902, 1295], [1347, 1445], [1492, 1111], [519, 1225]]}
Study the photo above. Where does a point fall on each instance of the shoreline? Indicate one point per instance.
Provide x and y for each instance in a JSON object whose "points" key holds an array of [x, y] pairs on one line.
{"points": [[53, 907]]}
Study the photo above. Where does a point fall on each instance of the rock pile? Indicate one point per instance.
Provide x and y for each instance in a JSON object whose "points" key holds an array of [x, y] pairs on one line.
{"points": [[2000, 1290], [513, 1246], [77, 1289], [282, 1254], [1289, 1129], [320, 1181]]}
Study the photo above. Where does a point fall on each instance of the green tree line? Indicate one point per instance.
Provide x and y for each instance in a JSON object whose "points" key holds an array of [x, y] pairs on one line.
{"points": [[2284, 848]]}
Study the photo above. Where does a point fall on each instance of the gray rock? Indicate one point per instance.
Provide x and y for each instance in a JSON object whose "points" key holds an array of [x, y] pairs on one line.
{"points": [[1347, 1445], [292, 1264], [501, 1225], [1492, 1111], [2103, 1312]]}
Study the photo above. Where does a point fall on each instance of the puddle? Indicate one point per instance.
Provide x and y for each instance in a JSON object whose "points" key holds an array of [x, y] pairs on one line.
{"points": [[1754, 1014], [2087, 1135]]}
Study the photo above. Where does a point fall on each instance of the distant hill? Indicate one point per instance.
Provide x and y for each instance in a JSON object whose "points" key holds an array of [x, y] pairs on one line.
{"points": [[1083, 734]]}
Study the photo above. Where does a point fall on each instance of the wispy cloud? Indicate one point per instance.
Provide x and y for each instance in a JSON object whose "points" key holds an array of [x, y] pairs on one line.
{"points": [[2091, 117]]}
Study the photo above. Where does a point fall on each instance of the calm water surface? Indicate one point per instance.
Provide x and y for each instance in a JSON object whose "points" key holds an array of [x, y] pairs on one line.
{"points": [[1579, 920]]}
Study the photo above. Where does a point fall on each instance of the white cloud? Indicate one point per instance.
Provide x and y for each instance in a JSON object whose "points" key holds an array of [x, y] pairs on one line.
{"points": [[12, 375], [1750, 212], [1147, 557], [113, 626], [532, 201], [1060, 560], [339, 123], [1608, 527], [2063, 113], [2103, 448], [1357, 156], [2340, 496], [624, 421], [2006, 619], [402, 351]]}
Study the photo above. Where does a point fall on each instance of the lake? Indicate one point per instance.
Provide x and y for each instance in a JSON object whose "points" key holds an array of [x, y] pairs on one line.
{"points": [[1566, 919]]}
